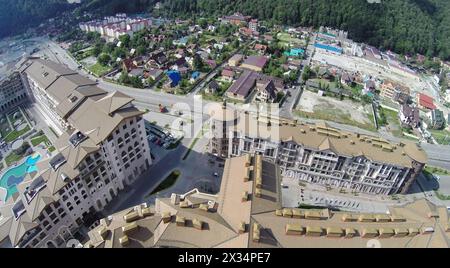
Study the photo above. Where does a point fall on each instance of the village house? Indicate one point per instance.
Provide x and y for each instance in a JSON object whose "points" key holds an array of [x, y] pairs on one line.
{"points": [[394, 91], [255, 63], [235, 60], [425, 102], [409, 116], [437, 119], [227, 75]]}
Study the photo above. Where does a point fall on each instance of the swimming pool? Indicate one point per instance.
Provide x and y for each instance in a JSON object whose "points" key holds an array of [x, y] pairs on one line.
{"points": [[15, 175]]}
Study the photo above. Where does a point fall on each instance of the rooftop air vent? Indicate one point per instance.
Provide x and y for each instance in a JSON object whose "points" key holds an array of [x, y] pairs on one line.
{"points": [[64, 177], [73, 99]]}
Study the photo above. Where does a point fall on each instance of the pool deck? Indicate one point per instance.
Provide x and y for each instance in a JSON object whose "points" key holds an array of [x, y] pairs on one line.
{"points": [[3, 191]]}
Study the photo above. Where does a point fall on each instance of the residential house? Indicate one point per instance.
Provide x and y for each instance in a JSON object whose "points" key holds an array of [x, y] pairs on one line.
{"points": [[194, 76], [268, 38], [369, 87], [155, 74], [243, 86], [213, 87], [136, 72], [140, 61], [236, 19], [253, 25], [211, 63], [235, 60], [266, 92], [128, 65], [437, 119], [260, 48], [425, 102], [227, 75], [394, 91], [255, 63], [409, 116], [347, 79]]}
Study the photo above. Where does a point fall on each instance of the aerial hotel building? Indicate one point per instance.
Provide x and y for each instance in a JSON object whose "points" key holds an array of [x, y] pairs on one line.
{"points": [[101, 150], [318, 153]]}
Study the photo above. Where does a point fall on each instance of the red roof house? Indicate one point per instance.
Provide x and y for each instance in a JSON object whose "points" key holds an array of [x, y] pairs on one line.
{"points": [[426, 102]]}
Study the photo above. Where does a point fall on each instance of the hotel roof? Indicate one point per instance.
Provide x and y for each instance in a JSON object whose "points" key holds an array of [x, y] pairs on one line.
{"points": [[253, 185], [320, 136]]}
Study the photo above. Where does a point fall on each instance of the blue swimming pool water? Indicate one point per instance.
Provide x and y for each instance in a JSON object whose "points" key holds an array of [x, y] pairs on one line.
{"points": [[15, 175]]}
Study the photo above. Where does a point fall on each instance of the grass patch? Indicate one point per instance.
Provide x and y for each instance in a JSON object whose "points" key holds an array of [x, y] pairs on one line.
{"points": [[41, 139], [442, 196], [436, 170], [13, 158], [99, 69], [51, 149], [167, 183], [15, 134], [335, 115], [441, 136]]}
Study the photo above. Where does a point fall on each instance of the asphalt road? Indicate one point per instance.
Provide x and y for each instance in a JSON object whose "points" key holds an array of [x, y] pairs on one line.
{"points": [[439, 155], [291, 101]]}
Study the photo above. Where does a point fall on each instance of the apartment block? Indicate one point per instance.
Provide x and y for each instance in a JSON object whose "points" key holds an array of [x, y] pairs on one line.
{"points": [[102, 149], [317, 153]]}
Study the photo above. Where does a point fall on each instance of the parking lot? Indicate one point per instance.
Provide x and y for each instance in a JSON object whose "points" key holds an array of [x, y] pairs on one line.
{"points": [[294, 195]]}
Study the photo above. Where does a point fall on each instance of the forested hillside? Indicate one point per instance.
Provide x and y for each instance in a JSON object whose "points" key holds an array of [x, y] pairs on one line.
{"points": [[18, 15], [406, 26]]}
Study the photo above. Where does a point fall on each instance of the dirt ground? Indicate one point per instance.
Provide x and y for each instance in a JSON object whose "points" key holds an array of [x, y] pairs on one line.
{"points": [[382, 71], [313, 103]]}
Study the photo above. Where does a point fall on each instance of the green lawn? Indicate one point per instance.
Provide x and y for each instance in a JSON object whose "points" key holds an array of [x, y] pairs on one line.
{"points": [[12, 158], [99, 69], [441, 136], [436, 170], [168, 182], [15, 134], [286, 39], [442, 196], [335, 115], [39, 140], [51, 149]]}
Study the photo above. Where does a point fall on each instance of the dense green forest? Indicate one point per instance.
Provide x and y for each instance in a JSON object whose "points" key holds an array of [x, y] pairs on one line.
{"points": [[18, 15], [405, 26]]}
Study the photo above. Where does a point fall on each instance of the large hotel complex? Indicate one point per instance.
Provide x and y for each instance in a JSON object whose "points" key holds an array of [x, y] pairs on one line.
{"points": [[318, 153], [252, 184], [101, 149]]}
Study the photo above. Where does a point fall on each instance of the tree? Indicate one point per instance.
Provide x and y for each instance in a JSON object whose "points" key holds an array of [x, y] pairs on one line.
{"points": [[235, 43], [203, 23], [306, 73], [104, 59], [125, 39], [198, 63]]}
